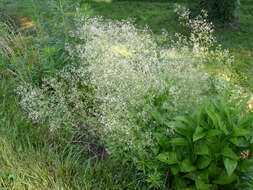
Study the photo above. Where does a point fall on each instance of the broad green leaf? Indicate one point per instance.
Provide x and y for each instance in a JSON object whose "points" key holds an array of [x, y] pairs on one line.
{"points": [[203, 175], [201, 185], [198, 116], [214, 144], [242, 142], [174, 169], [181, 128], [203, 162], [168, 158], [230, 165], [212, 116], [179, 141], [234, 140], [245, 121], [187, 166], [223, 127], [240, 132], [228, 152], [198, 134], [202, 149], [246, 165], [223, 178], [184, 119], [213, 132]]}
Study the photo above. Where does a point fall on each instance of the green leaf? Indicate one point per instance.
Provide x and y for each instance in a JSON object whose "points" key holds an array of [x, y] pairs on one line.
{"points": [[223, 127], [230, 165], [214, 144], [246, 165], [198, 175], [228, 152], [234, 140], [174, 169], [184, 119], [179, 141], [162, 140], [203, 162], [241, 132], [187, 166], [201, 185], [181, 128], [202, 149], [203, 175], [168, 158], [213, 132], [223, 178], [198, 134], [212, 115], [242, 142]]}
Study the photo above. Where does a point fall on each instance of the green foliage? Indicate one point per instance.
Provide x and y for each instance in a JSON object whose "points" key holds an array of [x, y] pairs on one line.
{"points": [[204, 147], [222, 11]]}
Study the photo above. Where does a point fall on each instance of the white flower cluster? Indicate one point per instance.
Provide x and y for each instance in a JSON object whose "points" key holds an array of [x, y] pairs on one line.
{"points": [[60, 101], [202, 39], [128, 73]]}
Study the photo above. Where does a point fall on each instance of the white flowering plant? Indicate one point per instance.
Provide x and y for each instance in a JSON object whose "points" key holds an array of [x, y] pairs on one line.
{"points": [[119, 76]]}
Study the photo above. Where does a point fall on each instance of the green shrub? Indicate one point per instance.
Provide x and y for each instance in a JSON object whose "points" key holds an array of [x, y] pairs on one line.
{"points": [[218, 10], [202, 150]]}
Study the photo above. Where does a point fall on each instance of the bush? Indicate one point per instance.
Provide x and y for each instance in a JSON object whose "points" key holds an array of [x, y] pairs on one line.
{"points": [[203, 150], [220, 11]]}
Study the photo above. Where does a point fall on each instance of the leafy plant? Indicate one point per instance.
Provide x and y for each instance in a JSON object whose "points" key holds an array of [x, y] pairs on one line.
{"points": [[203, 149]]}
